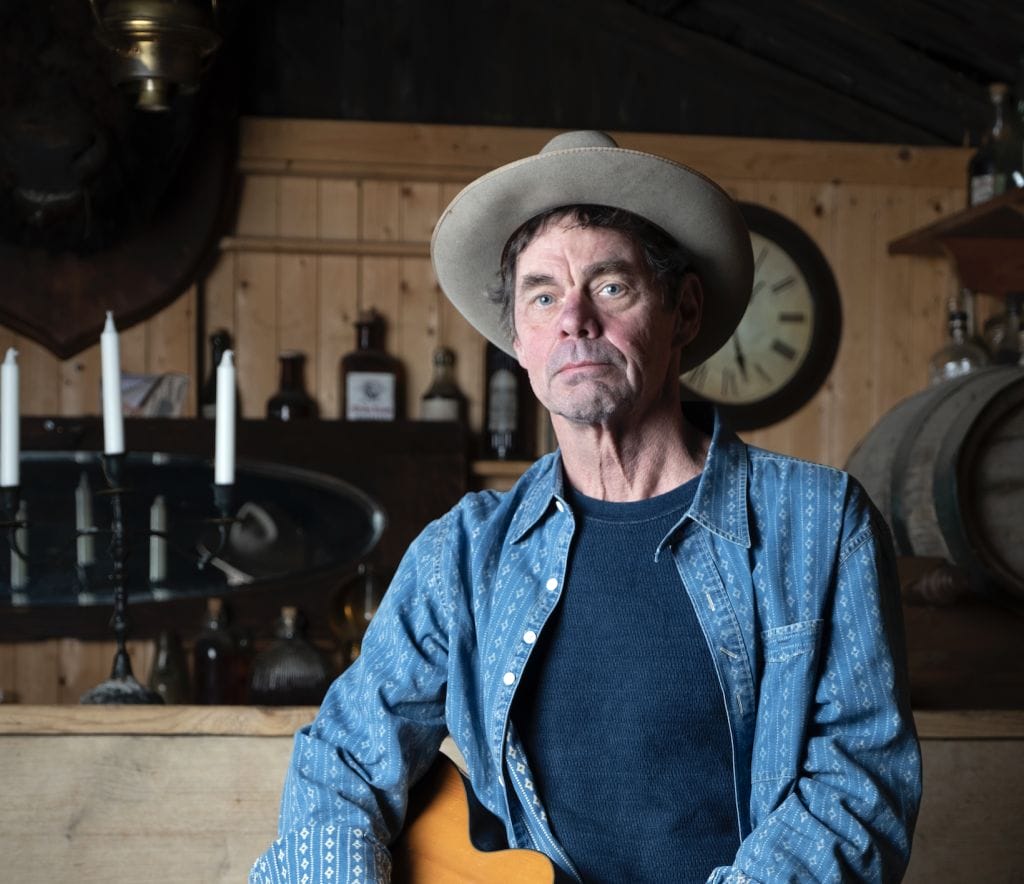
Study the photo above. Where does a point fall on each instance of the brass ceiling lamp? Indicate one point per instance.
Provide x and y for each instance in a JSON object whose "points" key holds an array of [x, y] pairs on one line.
{"points": [[159, 46]]}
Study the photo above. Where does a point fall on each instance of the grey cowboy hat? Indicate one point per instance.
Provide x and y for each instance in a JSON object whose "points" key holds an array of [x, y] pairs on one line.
{"points": [[589, 168]]}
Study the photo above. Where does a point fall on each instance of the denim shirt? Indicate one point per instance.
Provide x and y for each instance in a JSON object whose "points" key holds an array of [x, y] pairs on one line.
{"points": [[791, 573]]}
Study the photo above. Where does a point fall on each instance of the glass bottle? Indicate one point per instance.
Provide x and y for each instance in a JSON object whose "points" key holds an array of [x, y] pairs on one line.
{"points": [[352, 607], [220, 341], [996, 166], [291, 401], [213, 657], [291, 671], [443, 400], [372, 380], [1007, 351], [508, 408], [957, 357], [169, 676]]}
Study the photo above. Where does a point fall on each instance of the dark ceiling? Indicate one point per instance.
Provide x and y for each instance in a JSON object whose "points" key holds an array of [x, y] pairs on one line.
{"points": [[901, 71]]}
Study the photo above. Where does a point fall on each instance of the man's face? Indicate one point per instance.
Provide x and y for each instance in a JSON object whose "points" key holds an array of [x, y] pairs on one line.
{"points": [[597, 340]]}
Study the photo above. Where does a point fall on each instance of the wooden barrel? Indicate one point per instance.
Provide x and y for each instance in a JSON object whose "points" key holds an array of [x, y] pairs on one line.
{"points": [[946, 469]]}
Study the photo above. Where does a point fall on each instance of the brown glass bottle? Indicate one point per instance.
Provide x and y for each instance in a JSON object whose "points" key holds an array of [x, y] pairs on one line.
{"points": [[509, 408], [292, 401], [213, 658], [372, 382], [443, 400]]}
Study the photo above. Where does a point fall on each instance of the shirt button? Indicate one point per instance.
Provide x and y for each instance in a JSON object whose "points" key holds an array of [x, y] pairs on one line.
{"points": [[560, 506], [529, 636], [508, 677], [552, 583]]}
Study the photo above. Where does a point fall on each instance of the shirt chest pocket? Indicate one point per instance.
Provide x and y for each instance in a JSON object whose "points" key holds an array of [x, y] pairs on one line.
{"points": [[785, 699]]}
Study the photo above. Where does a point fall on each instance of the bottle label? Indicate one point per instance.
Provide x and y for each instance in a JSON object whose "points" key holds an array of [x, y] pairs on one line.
{"points": [[437, 408], [502, 411], [983, 188], [370, 396]]}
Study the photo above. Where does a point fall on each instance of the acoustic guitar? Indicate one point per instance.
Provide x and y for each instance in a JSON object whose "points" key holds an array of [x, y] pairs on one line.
{"points": [[435, 848]]}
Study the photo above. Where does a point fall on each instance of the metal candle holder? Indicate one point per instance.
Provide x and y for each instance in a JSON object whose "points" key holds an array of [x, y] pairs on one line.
{"points": [[121, 686]]}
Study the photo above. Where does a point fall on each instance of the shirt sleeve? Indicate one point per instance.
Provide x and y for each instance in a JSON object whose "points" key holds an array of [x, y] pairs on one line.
{"points": [[377, 731], [850, 813]]}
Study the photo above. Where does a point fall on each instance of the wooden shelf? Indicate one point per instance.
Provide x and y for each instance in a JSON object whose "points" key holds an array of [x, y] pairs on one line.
{"points": [[986, 243]]}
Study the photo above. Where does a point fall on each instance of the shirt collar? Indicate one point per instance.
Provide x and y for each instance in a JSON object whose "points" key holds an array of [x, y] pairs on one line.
{"points": [[720, 504]]}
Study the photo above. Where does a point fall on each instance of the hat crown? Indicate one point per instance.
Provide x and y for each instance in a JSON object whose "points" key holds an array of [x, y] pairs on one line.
{"points": [[581, 138]]}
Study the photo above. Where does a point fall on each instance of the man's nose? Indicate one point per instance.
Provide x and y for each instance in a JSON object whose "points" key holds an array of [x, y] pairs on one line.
{"points": [[579, 317]]}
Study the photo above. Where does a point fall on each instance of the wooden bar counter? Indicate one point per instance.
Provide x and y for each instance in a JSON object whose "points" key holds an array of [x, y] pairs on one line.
{"points": [[190, 793]]}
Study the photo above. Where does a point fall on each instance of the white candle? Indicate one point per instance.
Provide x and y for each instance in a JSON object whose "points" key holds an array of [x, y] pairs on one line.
{"points": [[157, 545], [86, 545], [110, 358], [9, 421], [224, 461]]}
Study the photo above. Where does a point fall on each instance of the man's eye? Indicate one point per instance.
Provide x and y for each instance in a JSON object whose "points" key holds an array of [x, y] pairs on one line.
{"points": [[543, 300], [613, 289]]}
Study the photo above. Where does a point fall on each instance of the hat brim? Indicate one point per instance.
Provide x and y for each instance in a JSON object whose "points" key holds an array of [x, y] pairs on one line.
{"points": [[469, 238]]}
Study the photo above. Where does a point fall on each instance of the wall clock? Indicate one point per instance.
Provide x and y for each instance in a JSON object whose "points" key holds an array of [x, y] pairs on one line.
{"points": [[784, 347]]}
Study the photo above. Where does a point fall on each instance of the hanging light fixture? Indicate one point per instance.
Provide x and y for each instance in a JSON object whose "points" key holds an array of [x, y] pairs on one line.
{"points": [[159, 46]]}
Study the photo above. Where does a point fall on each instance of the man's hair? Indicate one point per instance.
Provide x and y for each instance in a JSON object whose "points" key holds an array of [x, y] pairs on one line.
{"points": [[664, 259]]}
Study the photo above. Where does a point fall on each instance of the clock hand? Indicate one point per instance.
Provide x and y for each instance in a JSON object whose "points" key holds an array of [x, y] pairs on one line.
{"points": [[741, 360]]}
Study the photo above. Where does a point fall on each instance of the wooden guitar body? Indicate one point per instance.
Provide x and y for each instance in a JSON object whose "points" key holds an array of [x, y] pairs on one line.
{"points": [[434, 847]]}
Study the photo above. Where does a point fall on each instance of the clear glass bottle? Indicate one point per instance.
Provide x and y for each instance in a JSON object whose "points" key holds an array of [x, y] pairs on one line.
{"points": [[220, 341], [169, 676], [996, 166], [957, 357], [443, 400], [1007, 351], [509, 406], [292, 401], [372, 380], [213, 658], [291, 671]]}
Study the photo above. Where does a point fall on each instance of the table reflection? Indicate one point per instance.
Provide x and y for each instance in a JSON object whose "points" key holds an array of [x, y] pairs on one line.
{"points": [[282, 521]]}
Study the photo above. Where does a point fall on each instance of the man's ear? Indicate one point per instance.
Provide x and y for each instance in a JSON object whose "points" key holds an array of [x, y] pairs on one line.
{"points": [[689, 309]]}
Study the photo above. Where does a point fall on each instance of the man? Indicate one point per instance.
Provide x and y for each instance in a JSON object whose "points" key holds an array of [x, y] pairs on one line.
{"points": [[665, 656]]}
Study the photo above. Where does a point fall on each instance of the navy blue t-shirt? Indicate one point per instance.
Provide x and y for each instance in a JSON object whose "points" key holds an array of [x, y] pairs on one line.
{"points": [[621, 711]]}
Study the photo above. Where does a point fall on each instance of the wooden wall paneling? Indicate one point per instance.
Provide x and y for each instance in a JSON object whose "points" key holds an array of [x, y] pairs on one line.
{"points": [[35, 669], [257, 207], [339, 204], [933, 280], [900, 371], [80, 383], [298, 312], [134, 343], [380, 210], [810, 428], [855, 265], [417, 326], [338, 305], [171, 343], [338, 208], [8, 675], [40, 377], [417, 320], [469, 345], [297, 309], [219, 298], [256, 321]]}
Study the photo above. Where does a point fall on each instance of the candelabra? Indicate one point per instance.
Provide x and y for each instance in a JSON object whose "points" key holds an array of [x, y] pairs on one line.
{"points": [[121, 686]]}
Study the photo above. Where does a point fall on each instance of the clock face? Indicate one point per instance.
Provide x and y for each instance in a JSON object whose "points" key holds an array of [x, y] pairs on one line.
{"points": [[783, 348]]}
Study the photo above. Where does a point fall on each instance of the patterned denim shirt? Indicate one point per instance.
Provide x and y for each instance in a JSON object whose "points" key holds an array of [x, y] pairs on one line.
{"points": [[790, 571]]}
